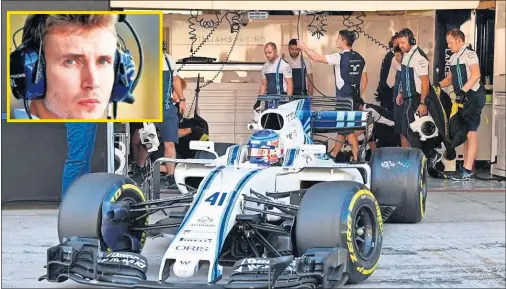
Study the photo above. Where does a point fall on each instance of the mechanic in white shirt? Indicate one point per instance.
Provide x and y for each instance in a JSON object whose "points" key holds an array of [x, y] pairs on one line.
{"points": [[170, 125], [350, 80], [276, 73], [415, 88], [389, 67], [302, 70], [465, 77]]}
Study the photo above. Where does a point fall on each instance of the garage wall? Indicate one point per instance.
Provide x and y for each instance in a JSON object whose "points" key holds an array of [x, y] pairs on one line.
{"points": [[280, 29]]}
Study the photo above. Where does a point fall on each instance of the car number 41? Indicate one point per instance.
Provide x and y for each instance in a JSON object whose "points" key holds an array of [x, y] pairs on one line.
{"points": [[216, 199]]}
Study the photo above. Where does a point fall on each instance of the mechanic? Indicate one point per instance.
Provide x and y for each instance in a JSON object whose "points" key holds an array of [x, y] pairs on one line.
{"points": [[141, 154], [350, 80], [276, 75], [302, 70], [78, 67], [389, 67], [81, 142], [414, 89], [465, 77], [398, 109], [170, 125]]}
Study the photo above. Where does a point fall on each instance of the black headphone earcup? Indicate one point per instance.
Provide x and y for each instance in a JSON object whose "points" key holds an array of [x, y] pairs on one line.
{"points": [[390, 44]]}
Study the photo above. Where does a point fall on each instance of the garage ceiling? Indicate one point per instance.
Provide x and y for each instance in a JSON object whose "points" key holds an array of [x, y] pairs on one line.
{"points": [[299, 5]]}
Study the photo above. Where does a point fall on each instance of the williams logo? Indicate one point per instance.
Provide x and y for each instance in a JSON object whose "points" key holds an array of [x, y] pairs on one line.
{"points": [[204, 222]]}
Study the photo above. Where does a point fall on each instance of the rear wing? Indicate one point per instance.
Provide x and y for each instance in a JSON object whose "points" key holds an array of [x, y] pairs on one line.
{"points": [[338, 121]]}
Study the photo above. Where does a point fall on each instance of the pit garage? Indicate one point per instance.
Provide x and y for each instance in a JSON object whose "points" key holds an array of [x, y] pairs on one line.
{"points": [[229, 70]]}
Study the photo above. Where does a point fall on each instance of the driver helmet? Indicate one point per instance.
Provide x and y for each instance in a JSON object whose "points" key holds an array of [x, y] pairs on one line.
{"points": [[264, 147]]}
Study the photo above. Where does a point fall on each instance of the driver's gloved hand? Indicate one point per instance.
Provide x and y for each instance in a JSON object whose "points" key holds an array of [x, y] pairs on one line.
{"points": [[461, 97]]}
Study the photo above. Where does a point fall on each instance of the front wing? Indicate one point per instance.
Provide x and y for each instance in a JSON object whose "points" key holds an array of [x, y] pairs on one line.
{"points": [[83, 261]]}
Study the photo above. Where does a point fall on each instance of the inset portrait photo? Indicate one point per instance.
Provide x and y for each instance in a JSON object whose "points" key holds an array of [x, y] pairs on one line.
{"points": [[93, 66]]}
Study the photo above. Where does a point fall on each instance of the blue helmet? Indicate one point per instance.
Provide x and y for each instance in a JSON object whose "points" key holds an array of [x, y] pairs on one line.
{"points": [[264, 147]]}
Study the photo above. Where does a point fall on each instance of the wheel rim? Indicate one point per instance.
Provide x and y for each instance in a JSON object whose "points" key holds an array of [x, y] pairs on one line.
{"points": [[423, 190], [364, 232]]}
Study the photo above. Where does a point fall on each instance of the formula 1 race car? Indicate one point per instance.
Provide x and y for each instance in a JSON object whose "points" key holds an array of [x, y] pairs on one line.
{"points": [[277, 211]]}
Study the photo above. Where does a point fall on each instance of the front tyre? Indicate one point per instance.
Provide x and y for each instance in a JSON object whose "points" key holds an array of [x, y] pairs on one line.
{"points": [[97, 206], [342, 214]]}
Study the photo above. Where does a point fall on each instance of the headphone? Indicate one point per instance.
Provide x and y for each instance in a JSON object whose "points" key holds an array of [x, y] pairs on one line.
{"points": [[411, 37], [27, 64]]}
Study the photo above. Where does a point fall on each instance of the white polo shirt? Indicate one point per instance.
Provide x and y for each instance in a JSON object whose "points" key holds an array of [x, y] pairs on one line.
{"points": [[419, 64], [467, 57], [394, 67], [295, 63], [284, 68], [335, 59], [172, 65]]}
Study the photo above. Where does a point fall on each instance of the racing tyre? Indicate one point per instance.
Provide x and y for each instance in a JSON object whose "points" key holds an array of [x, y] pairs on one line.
{"points": [[399, 183], [96, 205], [342, 214]]}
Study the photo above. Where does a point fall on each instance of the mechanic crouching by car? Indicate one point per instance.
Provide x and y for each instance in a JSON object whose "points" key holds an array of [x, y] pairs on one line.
{"points": [[350, 80], [465, 76], [170, 125], [415, 87]]}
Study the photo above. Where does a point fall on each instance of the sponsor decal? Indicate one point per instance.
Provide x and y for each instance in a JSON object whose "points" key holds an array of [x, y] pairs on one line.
{"points": [[204, 222], [123, 258], [192, 248], [196, 240]]}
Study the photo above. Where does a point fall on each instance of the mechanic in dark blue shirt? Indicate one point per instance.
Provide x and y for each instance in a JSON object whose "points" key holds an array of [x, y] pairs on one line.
{"points": [[350, 80]]}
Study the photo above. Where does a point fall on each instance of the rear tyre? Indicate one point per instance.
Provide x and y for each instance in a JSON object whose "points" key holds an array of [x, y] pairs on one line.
{"points": [[399, 180], [342, 214], [89, 204]]}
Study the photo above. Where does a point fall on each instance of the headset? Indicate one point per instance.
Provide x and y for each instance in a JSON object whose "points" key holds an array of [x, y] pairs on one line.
{"points": [[27, 65], [409, 34]]}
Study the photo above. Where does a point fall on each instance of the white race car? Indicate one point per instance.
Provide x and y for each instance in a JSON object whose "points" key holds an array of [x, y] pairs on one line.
{"points": [[276, 210]]}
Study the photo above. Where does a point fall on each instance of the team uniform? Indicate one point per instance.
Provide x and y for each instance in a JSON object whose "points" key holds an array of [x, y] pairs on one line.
{"points": [[169, 126], [460, 64], [348, 68], [387, 81], [301, 67], [275, 73]]}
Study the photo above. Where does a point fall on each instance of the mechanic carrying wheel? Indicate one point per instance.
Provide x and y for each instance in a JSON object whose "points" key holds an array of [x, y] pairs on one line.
{"points": [[276, 75], [414, 90], [464, 75], [350, 80]]}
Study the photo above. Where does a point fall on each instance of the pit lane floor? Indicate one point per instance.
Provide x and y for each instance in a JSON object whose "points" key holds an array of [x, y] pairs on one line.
{"points": [[460, 243]]}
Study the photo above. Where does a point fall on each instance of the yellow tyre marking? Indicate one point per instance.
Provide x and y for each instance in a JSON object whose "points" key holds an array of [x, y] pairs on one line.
{"points": [[116, 196], [422, 210], [349, 243]]}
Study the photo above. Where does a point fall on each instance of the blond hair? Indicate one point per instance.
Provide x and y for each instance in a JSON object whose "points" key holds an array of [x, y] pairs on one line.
{"points": [[82, 20]]}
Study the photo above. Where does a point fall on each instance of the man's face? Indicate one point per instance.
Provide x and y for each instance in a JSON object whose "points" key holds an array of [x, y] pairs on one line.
{"points": [[294, 51], [454, 44], [398, 57], [79, 70], [404, 44], [270, 53], [339, 42], [395, 42]]}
